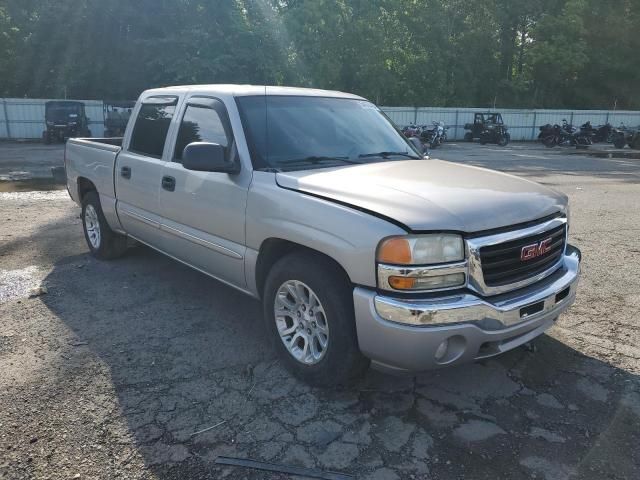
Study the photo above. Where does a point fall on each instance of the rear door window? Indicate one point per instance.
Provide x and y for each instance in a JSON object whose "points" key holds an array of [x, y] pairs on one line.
{"points": [[152, 124], [204, 120]]}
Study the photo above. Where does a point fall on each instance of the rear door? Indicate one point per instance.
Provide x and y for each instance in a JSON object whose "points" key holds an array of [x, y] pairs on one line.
{"points": [[204, 212], [138, 174]]}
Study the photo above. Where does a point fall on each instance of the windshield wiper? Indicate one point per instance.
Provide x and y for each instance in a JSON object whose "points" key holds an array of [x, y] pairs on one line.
{"points": [[315, 159], [387, 155]]}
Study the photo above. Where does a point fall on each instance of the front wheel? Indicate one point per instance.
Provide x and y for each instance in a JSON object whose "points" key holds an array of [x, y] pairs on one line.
{"points": [[308, 308], [619, 141], [103, 242], [549, 141]]}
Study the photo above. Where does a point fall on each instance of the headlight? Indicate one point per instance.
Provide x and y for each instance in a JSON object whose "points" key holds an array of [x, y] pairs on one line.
{"points": [[421, 262], [421, 249]]}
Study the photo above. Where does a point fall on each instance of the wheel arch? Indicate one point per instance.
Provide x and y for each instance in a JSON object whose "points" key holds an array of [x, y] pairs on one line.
{"points": [[273, 249], [84, 186]]}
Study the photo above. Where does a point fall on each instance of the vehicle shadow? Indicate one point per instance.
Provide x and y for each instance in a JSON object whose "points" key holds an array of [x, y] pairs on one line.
{"points": [[192, 376]]}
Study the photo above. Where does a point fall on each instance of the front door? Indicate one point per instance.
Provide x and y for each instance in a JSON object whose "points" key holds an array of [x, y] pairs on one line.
{"points": [[204, 212]]}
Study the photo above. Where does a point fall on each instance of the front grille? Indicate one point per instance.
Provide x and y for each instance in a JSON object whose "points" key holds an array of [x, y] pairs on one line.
{"points": [[501, 264]]}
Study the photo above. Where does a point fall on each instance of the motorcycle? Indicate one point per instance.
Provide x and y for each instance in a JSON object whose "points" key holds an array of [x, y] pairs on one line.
{"points": [[624, 135], [411, 130], [599, 134], [435, 135], [565, 135]]}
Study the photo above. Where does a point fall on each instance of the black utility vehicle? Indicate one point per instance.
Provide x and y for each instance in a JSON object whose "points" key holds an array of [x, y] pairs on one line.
{"points": [[488, 128], [65, 119], [116, 117]]}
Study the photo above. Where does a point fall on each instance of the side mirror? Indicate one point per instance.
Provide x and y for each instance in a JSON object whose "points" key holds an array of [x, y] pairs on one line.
{"points": [[207, 157]]}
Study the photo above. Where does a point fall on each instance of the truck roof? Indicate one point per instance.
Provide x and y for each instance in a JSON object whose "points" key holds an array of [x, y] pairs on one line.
{"points": [[250, 90]]}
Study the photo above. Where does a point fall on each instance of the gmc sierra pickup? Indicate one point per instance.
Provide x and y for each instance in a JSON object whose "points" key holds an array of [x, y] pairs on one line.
{"points": [[361, 249]]}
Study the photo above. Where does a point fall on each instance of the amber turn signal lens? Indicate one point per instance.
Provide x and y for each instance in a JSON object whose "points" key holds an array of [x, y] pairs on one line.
{"points": [[402, 283], [395, 251]]}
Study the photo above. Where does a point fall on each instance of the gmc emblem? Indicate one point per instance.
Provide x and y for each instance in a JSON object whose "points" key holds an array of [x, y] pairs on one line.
{"points": [[535, 250]]}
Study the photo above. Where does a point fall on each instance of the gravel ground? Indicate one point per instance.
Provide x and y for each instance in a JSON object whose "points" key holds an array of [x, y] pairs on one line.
{"points": [[114, 369]]}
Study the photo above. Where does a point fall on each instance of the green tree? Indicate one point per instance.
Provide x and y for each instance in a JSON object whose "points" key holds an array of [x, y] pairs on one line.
{"points": [[522, 53]]}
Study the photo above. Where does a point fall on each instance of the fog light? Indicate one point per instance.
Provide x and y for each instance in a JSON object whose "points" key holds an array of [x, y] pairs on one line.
{"points": [[442, 350]]}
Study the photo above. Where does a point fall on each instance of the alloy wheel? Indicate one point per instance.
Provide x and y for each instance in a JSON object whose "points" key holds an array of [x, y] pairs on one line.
{"points": [[301, 322]]}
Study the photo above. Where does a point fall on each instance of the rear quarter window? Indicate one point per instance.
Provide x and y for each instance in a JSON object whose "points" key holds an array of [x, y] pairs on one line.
{"points": [[151, 127]]}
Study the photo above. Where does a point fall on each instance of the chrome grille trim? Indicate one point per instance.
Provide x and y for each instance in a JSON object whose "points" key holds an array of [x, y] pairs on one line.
{"points": [[476, 280]]}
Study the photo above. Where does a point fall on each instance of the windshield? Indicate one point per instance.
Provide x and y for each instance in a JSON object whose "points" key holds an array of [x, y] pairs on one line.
{"points": [[63, 112], [301, 131]]}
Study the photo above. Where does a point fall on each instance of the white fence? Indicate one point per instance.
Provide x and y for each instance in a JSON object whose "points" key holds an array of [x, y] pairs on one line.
{"points": [[24, 118], [523, 124]]}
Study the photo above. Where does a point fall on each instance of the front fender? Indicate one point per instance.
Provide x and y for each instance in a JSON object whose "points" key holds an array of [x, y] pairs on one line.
{"points": [[347, 235]]}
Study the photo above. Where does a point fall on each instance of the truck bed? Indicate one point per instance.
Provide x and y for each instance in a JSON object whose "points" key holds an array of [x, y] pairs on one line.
{"points": [[93, 159], [114, 141]]}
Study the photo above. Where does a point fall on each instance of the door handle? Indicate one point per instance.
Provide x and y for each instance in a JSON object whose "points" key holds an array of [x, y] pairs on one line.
{"points": [[125, 172], [169, 183]]}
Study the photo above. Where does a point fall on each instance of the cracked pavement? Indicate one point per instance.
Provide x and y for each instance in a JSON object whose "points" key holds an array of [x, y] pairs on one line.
{"points": [[121, 369]]}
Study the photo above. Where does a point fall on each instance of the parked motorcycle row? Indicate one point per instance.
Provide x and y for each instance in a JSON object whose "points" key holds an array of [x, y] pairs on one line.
{"points": [[568, 135], [490, 128], [486, 127], [429, 135]]}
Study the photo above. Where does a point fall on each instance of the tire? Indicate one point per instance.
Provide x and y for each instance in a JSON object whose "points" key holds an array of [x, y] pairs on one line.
{"points": [[506, 138], [340, 361], [468, 137], [47, 138], [549, 141], [619, 142], [103, 242]]}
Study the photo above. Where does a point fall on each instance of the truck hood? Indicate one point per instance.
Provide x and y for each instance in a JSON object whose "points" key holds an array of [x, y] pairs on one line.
{"points": [[431, 194]]}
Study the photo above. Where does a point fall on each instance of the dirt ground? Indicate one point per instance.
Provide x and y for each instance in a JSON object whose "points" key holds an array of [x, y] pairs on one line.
{"points": [[119, 369]]}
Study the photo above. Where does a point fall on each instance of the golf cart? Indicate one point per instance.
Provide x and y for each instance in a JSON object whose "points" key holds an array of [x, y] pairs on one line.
{"points": [[488, 128], [116, 117], [65, 119]]}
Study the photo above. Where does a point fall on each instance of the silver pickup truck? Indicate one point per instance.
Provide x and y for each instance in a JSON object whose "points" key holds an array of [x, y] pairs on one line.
{"points": [[361, 249]]}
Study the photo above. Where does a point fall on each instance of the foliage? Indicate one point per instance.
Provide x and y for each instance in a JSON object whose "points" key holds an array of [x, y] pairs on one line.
{"points": [[511, 53]]}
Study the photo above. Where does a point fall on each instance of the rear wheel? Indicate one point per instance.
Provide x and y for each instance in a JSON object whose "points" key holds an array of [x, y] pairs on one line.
{"points": [[468, 137], [308, 307], [103, 242]]}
